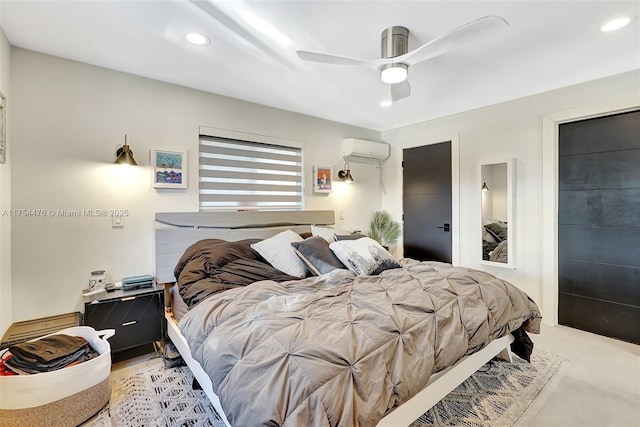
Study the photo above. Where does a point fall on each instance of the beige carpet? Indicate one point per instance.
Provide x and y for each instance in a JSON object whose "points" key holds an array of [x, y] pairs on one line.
{"points": [[499, 394]]}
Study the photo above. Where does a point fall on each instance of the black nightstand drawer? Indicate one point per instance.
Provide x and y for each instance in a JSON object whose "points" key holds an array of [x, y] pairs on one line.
{"points": [[137, 319]]}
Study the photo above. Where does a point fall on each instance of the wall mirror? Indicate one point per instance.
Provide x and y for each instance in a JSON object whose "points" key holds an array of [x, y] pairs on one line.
{"points": [[496, 186]]}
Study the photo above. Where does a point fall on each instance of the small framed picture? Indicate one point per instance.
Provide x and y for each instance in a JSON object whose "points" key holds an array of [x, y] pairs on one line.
{"points": [[169, 169], [322, 179]]}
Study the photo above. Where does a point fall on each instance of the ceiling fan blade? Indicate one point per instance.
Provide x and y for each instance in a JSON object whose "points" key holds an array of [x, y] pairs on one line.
{"points": [[326, 58], [466, 34], [400, 91]]}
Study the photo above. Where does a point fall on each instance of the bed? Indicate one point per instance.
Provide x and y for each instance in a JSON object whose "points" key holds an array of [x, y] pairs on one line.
{"points": [[334, 349]]}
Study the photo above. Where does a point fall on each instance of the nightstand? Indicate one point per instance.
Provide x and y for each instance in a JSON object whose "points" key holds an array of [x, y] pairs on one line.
{"points": [[137, 316]]}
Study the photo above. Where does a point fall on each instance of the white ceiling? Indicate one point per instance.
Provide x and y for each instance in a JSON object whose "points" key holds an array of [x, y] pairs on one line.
{"points": [[549, 44]]}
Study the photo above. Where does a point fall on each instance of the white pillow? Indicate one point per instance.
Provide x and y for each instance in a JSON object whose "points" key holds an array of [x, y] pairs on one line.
{"points": [[327, 233], [277, 250], [364, 256]]}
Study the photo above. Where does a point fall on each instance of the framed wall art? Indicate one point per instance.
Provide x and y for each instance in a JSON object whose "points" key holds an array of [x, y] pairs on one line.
{"points": [[169, 169], [322, 179]]}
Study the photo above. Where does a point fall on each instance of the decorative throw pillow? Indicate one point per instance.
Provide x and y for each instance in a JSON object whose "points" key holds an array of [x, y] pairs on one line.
{"points": [[327, 233], [277, 250], [498, 231], [488, 237], [364, 256], [354, 236], [316, 254]]}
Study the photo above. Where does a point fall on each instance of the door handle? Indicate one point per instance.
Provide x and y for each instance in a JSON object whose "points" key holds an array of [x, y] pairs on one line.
{"points": [[445, 228]]}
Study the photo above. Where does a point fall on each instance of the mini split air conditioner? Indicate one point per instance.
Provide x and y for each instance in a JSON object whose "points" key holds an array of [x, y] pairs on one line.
{"points": [[363, 151]]}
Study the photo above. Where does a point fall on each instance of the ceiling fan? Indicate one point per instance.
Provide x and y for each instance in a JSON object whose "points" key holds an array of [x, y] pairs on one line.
{"points": [[396, 59]]}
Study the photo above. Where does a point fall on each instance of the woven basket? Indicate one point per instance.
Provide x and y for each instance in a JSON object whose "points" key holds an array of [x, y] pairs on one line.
{"points": [[66, 397]]}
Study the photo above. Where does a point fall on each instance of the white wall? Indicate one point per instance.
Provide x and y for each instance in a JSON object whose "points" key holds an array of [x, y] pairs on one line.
{"points": [[511, 129], [68, 119], [5, 193]]}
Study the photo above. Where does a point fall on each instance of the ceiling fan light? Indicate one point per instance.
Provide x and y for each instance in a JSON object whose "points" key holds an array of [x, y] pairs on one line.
{"points": [[394, 73]]}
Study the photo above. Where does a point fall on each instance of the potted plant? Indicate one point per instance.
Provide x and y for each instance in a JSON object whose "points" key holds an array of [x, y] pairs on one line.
{"points": [[384, 229]]}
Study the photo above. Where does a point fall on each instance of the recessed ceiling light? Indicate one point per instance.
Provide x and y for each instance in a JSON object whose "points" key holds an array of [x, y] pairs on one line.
{"points": [[197, 39], [386, 103], [615, 24]]}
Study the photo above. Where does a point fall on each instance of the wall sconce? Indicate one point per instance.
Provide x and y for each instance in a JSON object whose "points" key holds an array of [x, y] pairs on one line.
{"points": [[345, 175], [124, 155], [485, 187]]}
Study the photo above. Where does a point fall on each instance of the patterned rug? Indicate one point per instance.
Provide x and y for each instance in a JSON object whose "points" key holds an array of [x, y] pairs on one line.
{"points": [[499, 394], [152, 395]]}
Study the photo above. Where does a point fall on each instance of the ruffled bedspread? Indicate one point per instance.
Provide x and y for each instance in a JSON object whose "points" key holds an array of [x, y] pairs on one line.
{"points": [[343, 350]]}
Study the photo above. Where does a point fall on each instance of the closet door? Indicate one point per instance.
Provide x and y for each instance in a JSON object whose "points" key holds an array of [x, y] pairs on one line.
{"points": [[599, 225], [426, 202]]}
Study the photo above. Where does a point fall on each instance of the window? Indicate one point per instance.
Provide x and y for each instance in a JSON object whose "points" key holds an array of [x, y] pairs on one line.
{"points": [[236, 174]]}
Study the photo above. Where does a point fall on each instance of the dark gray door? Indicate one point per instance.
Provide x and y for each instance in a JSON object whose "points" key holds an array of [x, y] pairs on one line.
{"points": [[599, 226], [426, 202]]}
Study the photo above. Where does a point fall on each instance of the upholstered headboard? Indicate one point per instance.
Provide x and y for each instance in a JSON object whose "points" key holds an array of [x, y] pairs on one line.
{"points": [[176, 231]]}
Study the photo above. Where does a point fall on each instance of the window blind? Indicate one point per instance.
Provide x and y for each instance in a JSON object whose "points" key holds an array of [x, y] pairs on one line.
{"points": [[238, 174]]}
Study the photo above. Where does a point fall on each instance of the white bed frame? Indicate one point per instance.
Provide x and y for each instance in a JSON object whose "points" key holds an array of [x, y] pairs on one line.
{"points": [[180, 230]]}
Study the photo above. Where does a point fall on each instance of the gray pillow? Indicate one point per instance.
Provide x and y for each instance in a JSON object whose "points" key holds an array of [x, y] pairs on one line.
{"points": [[354, 236], [497, 231], [315, 253], [488, 237]]}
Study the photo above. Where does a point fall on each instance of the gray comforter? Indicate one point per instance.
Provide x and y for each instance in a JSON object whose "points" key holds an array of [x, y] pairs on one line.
{"points": [[342, 350]]}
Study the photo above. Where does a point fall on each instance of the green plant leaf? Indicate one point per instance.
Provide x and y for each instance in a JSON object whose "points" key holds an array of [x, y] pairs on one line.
{"points": [[383, 228]]}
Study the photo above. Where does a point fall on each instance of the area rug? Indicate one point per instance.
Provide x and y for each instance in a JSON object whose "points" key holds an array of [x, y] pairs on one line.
{"points": [[499, 394]]}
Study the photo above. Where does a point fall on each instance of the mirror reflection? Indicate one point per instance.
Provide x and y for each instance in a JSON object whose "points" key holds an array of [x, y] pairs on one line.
{"points": [[495, 212]]}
